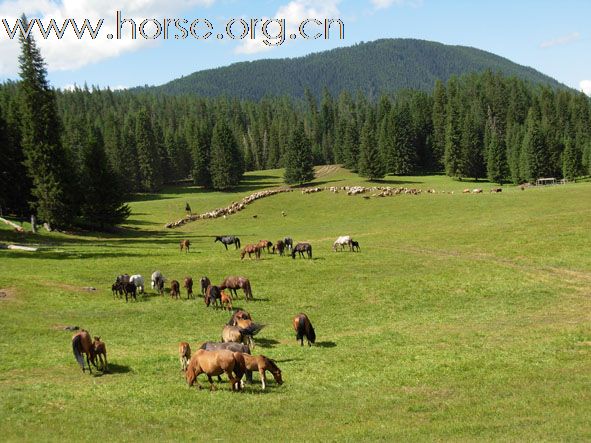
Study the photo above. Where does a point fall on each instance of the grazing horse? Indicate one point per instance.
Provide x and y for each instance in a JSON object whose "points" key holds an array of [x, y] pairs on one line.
{"points": [[185, 244], [262, 364], [228, 240], [262, 244], [216, 363], [158, 282], [251, 249], [240, 314], [184, 355], [226, 301], [235, 282], [138, 281], [355, 246], [212, 295], [81, 344], [175, 289], [288, 242], [344, 240], [241, 333], [188, 285], [130, 290], [230, 346], [303, 328], [117, 289], [280, 246], [204, 284], [300, 248], [100, 351]]}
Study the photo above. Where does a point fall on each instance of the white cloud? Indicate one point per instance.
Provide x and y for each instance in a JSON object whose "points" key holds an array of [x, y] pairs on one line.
{"points": [[385, 4], [563, 40], [294, 13], [585, 86], [69, 52]]}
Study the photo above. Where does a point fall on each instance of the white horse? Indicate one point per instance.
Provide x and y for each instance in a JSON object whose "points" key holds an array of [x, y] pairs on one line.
{"points": [[157, 277], [138, 281], [342, 241]]}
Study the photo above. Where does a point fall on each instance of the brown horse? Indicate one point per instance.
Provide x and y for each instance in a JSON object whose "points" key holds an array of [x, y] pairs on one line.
{"points": [[204, 284], [262, 244], [280, 246], [185, 244], [175, 289], [100, 351], [303, 328], [234, 282], [226, 301], [213, 294], [240, 314], [216, 363], [262, 364], [300, 248], [188, 285], [251, 249], [184, 355], [81, 344]]}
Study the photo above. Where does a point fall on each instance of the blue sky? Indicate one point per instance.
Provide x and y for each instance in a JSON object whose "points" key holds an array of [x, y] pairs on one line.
{"points": [[552, 37]]}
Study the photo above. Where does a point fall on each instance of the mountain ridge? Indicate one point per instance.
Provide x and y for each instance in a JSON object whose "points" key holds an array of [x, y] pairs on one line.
{"points": [[376, 67]]}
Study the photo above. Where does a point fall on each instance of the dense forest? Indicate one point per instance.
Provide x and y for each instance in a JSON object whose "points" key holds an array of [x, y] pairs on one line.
{"points": [[373, 68], [109, 144]]}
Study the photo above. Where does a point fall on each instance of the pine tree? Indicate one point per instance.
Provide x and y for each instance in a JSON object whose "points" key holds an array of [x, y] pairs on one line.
{"points": [[534, 156], [453, 152], [299, 160], [351, 145], [571, 160], [471, 146], [103, 202], [371, 163], [439, 124], [403, 157], [46, 160], [226, 164], [496, 159], [147, 153], [200, 141]]}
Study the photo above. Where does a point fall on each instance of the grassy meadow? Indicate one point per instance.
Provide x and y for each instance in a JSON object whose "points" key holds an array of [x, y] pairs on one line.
{"points": [[464, 317]]}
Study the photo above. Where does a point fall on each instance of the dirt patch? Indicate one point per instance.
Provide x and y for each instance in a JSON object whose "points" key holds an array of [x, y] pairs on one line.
{"points": [[67, 287], [7, 294]]}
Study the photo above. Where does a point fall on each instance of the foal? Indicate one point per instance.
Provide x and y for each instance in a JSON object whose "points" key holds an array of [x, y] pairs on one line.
{"points": [[303, 328], [100, 351], [184, 355]]}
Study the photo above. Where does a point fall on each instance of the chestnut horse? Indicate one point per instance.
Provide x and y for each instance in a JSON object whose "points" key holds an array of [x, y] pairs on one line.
{"points": [[251, 249], [226, 301], [185, 244], [262, 244], [216, 363], [184, 355], [234, 282], [100, 351], [175, 289], [81, 344], [188, 285], [262, 364], [303, 328], [213, 294], [241, 333]]}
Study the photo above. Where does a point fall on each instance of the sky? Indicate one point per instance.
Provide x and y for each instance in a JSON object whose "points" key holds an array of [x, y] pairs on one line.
{"points": [[551, 36]]}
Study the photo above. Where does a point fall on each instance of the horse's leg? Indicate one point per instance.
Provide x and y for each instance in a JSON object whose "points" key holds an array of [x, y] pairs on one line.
{"points": [[263, 378], [234, 386], [211, 385]]}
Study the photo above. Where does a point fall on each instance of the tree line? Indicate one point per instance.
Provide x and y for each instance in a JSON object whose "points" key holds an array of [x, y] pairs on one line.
{"points": [[73, 157]]}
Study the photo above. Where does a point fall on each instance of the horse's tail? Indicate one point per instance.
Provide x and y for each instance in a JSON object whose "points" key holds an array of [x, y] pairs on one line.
{"points": [[311, 333], [203, 346], [248, 289], [76, 345], [300, 328], [310, 251], [252, 329], [237, 240]]}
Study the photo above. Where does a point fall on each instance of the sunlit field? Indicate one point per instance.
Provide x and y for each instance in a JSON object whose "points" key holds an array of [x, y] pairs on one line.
{"points": [[463, 317]]}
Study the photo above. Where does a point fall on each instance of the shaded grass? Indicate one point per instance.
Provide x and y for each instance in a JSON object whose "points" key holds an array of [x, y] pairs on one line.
{"points": [[463, 317]]}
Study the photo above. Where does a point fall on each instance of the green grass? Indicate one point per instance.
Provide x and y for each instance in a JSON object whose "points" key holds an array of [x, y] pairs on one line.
{"points": [[464, 317]]}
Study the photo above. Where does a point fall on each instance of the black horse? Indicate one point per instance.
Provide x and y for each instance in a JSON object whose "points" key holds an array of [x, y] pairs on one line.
{"points": [[288, 242], [228, 240], [301, 248], [355, 245]]}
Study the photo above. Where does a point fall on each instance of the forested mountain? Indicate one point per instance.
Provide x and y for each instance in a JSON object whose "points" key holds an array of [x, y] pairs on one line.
{"points": [[381, 66]]}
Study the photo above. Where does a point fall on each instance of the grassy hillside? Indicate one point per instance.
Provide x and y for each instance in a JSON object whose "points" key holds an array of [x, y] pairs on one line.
{"points": [[463, 317], [381, 66]]}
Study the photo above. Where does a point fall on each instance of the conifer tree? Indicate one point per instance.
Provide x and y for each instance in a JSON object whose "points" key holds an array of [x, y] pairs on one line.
{"points": [[299, 160], [103, 202], [439, 124], [453, 152], [371, 163], [496, 158], [571, 160], [147, 152], [534, 156], [226, 164], [403, 157], [200, 141], [46, 160]]}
